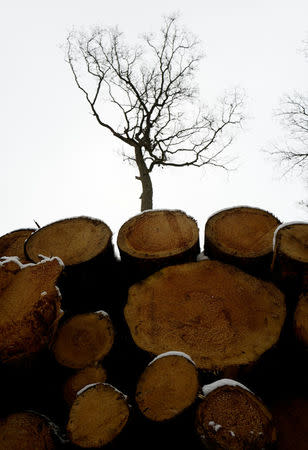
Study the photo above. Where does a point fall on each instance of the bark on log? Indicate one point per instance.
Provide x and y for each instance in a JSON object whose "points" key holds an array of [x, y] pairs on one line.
{"points": [[80, 379], [290, 417], [290, 259], [84, 339], [155, 239], [242, 236], [27, 431], [98, 415], [232, 418], [167, 386], [214, 312], [301, 319], [85, 246], [29, 307], [13, 244]]}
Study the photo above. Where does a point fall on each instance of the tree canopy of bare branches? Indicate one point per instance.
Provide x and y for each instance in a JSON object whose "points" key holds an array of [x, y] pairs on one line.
{"points": [[154, 98]]}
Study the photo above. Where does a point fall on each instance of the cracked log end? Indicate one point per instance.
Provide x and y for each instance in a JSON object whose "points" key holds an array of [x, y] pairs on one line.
{"points": [[232, 418], [214, 312], [97, 416], [83, 340], [29, 308], [242, 236], [74, 240], [167, 387]]}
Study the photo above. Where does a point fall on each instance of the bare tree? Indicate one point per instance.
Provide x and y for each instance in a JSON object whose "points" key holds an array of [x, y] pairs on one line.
{"points": [[293, 114], [154, 98]]}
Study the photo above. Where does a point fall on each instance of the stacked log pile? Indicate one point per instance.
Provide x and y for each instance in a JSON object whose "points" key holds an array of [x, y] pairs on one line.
{"points": [[164, 347]]}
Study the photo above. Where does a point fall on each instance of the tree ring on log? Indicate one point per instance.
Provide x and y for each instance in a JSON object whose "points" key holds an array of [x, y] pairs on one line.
{"points": [[214, 312], [233, 418], [241, 236], [83, 340], [74, 240], [158, 234]]}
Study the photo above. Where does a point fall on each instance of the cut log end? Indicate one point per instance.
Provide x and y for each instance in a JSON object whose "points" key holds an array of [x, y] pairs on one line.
{"points": [[167, 387], [74, 240], [83, 340], [27, 431], [13, 244], [214, 312], [290, 258], [158, 234], [232, 418], [97, 416], [241, 235], [80, 379]]}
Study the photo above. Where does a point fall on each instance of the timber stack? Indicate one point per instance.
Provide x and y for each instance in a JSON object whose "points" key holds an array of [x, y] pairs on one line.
{"points": [[162, 347]]}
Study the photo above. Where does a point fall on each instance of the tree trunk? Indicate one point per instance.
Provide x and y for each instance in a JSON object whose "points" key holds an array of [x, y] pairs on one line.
{"points": [[214, 312], [145, 179]]}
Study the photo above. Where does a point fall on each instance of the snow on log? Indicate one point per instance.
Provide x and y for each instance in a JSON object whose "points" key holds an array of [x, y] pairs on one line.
{"points": [[98, 415], [231, 417], [91, 374], [167, 386], [83, 340], [13, 243], [301, 319], [156, 238], [241, 236], [290, 259], [220, 316], [27, 431], [29, 307]]}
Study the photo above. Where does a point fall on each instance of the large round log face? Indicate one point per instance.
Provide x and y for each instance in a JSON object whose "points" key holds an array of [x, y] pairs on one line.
{"points": [[214, 312], [75, 240]]}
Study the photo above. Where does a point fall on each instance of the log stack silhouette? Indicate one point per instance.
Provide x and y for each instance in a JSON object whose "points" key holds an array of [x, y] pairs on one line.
{"points": [[163, 347]]}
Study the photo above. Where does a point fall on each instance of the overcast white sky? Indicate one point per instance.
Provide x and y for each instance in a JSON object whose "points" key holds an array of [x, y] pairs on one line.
{"points": [[56, 161]]}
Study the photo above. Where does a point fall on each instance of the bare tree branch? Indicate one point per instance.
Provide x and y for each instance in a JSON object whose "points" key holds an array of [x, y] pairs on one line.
{"points": [[154, 97]]}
